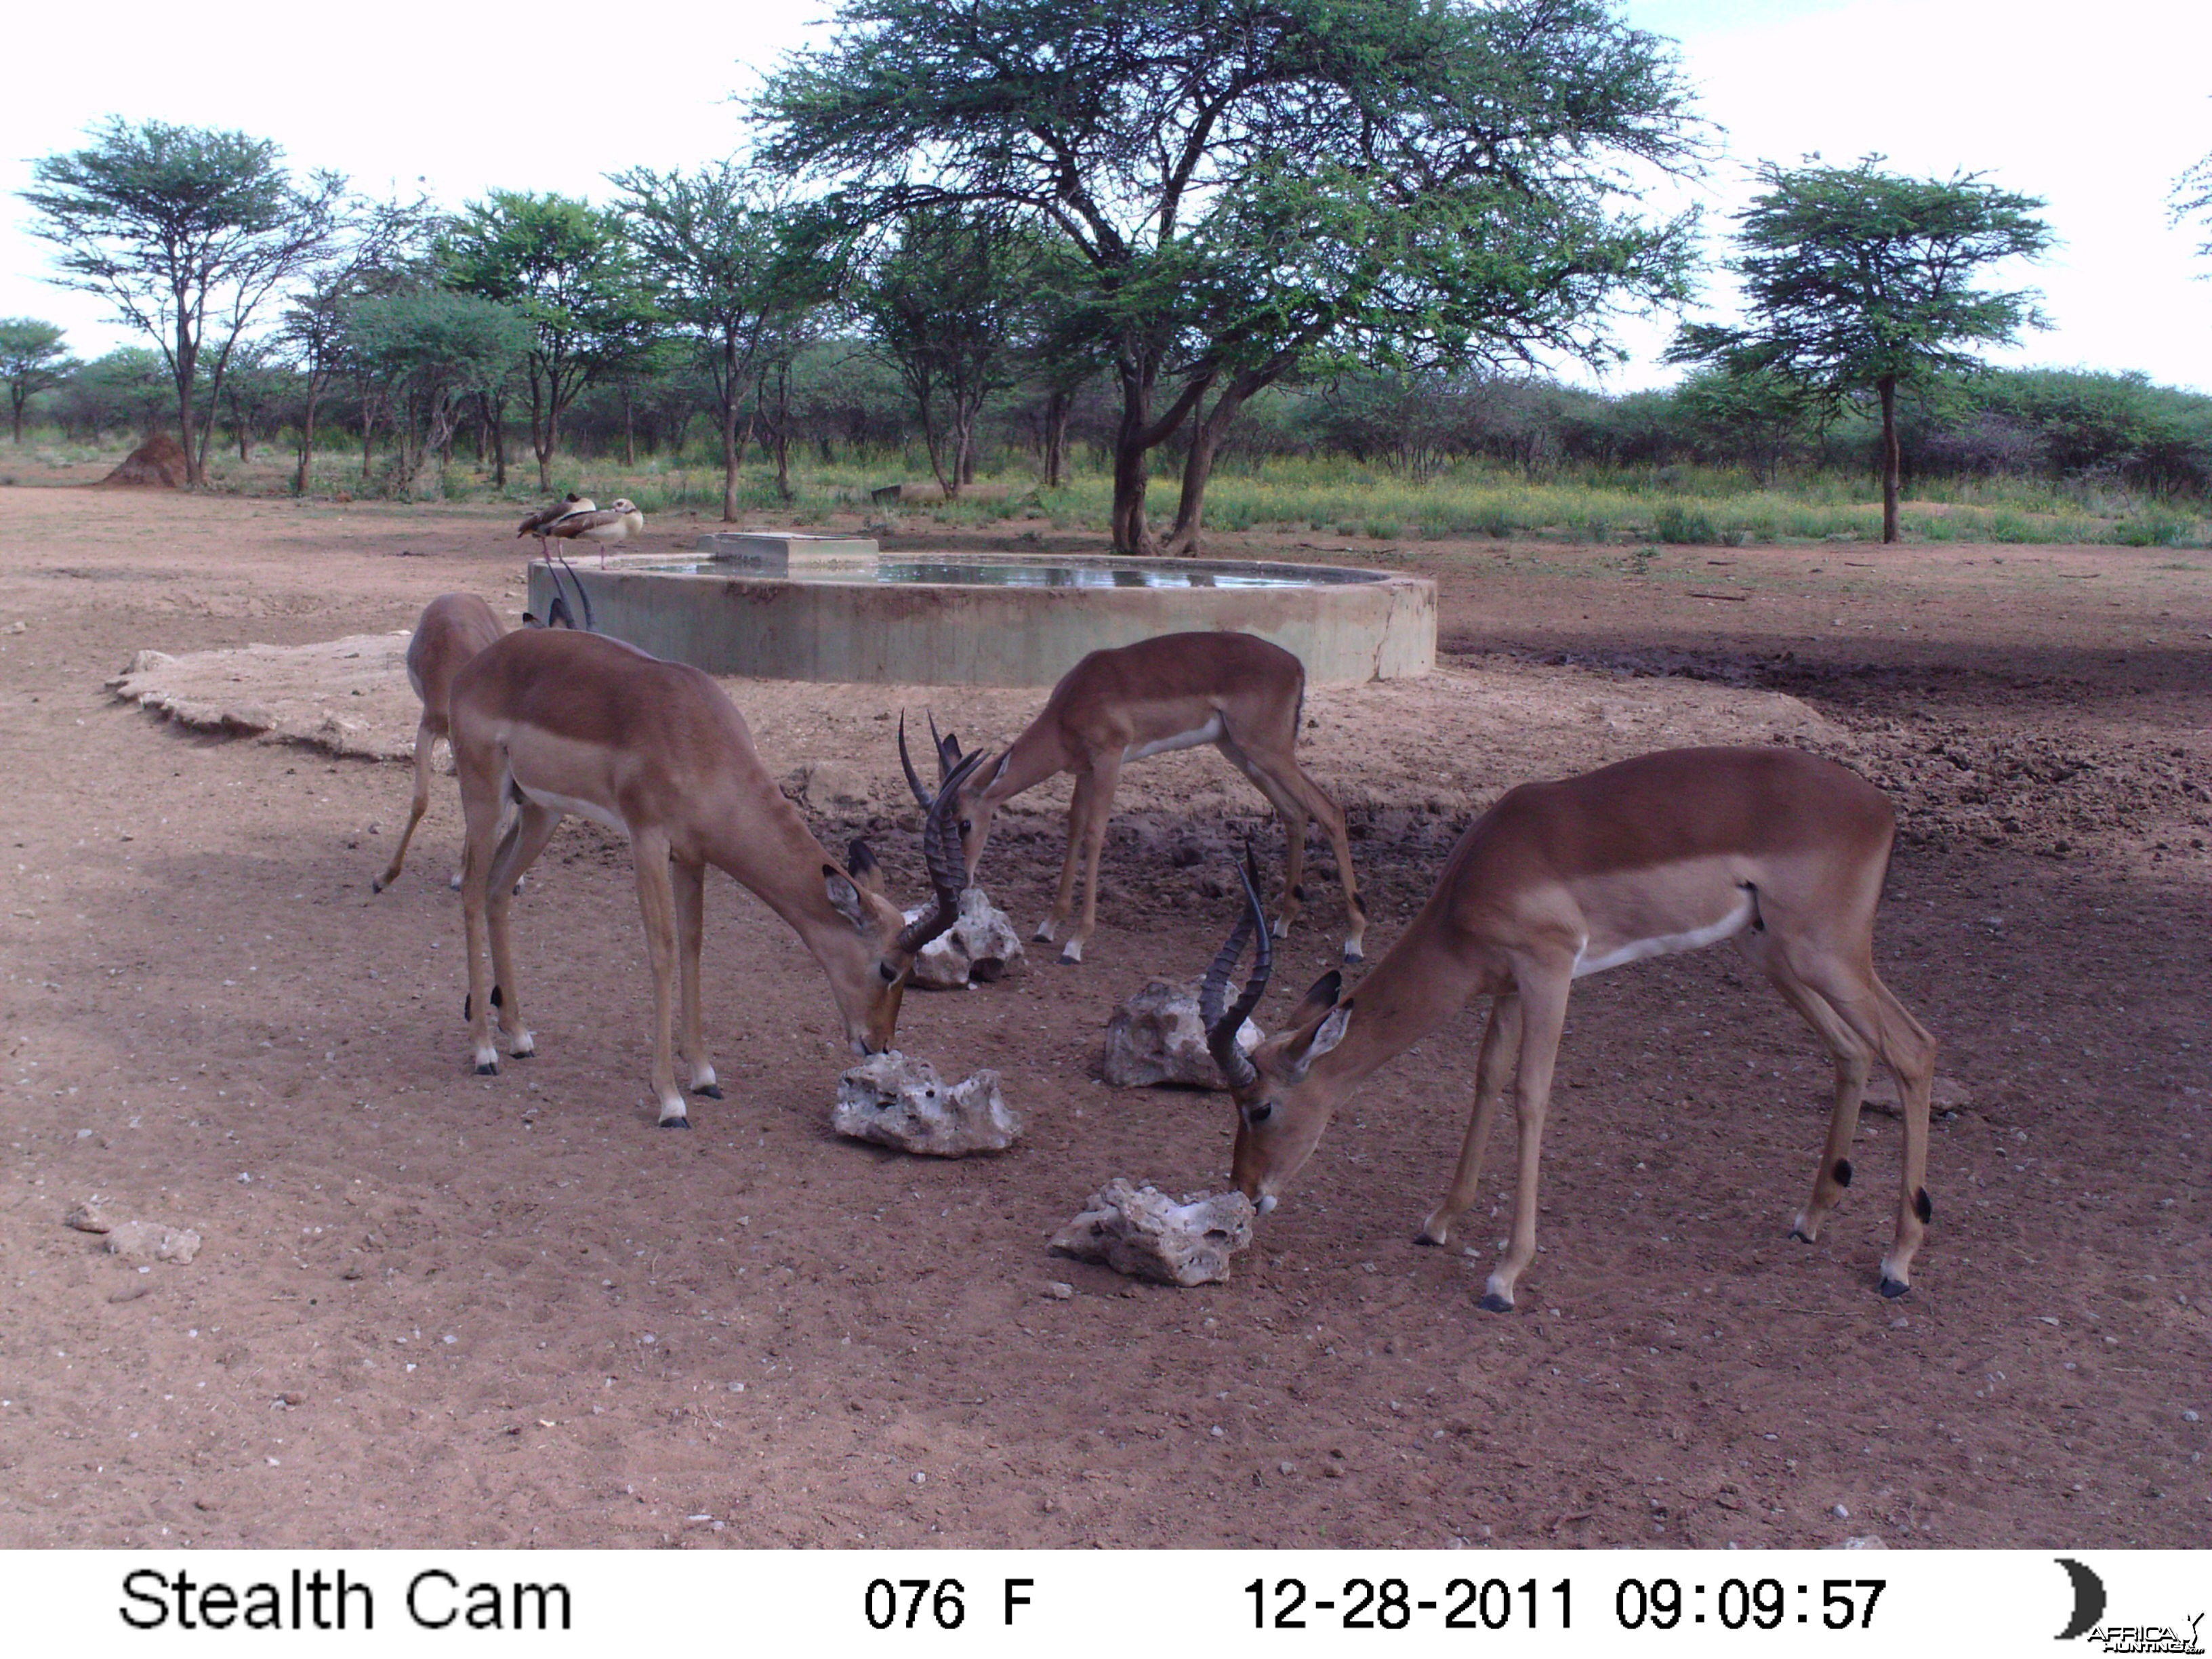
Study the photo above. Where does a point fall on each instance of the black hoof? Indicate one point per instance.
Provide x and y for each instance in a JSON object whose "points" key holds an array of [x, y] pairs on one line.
{"points": [[674, 1123], [1352, 957], [1800, 1235], [523, 1054], [491, 1069], [709, 1091], [1893, 1288], [1493, 1303], [376, 883], [1423, 1240]]}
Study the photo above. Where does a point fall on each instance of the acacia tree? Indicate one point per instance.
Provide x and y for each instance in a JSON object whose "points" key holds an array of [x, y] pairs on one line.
{"points": [[188, 232], [567, 267], [379, 250], [2191, 199], [32, 360], [712, 241], [1858, 282], [432, 352], [1253, 185], [949, 303]]}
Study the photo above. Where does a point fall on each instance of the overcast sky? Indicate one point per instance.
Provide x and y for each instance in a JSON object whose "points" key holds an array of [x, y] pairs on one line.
{"points": [[2096, 108]]}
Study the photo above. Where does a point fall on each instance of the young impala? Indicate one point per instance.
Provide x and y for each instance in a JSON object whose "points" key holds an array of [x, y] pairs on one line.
{"points": [[570, 722], [1780, 851], [1235, 691], [454, 627]]}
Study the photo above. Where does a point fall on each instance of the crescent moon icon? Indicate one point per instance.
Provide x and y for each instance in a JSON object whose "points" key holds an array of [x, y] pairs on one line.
{"points": [[2089, 1599]]}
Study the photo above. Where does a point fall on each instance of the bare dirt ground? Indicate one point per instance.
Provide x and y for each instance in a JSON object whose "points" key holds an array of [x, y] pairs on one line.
{"points": [[430, 1308]]}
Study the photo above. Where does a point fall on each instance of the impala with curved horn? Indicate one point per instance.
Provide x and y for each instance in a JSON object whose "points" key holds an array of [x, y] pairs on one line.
{"points": [[567, 722], [1237, 691], [1780, 850]]}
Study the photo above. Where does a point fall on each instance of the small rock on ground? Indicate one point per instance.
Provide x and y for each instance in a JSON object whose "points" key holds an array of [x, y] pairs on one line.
{"points": [[898, 1101], [1156, 1037], [149, 1241], [1142, 1232]]}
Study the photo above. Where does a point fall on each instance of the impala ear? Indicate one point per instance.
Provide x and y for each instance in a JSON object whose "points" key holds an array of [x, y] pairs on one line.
{"points": [[1325, 992], [1326, 1037], [866, 871], [844, 896]]}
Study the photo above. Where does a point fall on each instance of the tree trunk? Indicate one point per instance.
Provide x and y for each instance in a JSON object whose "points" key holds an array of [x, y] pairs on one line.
{"points": [[1198, 467], [303, 477], [17, 398], [495, 418], [782, 432], [187, 366], [729, 431], [629, 435], [1132, 459], [1887, 386], [1056, 440]]}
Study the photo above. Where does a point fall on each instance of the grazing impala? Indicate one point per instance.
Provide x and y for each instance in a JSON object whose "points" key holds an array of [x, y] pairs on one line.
{"points": [[1235, 691], [1780, 851], [453, 628], [570, 722]]}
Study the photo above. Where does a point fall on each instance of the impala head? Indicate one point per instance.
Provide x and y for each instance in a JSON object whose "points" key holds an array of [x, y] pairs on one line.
{"points": [[868, 970], [972, 809], [1280, 1110]]}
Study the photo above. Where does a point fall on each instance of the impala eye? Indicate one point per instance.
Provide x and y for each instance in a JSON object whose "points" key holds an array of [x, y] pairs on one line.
{"points": [[966, 825], [890, 973], [1259, 1113]]}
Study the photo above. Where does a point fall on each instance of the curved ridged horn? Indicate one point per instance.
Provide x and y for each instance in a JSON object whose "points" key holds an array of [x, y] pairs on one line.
{"points": [[1222, 1026], [912, 777], [948, 869]]}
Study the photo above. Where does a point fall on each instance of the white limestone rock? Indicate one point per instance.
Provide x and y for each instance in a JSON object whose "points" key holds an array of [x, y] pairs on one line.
{"points": [[1142, 1232], [980, 947], [149, 1241], [1156, 1037], [901, 1101]]}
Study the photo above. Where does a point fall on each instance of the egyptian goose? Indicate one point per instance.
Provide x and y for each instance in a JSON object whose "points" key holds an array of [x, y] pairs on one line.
{"points": [[621, 522]]}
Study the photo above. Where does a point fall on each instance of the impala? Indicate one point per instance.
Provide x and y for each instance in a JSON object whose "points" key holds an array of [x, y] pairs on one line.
{"points": [[453, 628], [1238, 692], [1781, 851], [568, 722]]}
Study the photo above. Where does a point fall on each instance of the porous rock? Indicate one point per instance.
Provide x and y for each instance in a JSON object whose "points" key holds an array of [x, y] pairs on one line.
{"points": [[149, 1241], [898, 1101], [1157, 1037], [980, 947], [86, 1217], [1142, 1232]]}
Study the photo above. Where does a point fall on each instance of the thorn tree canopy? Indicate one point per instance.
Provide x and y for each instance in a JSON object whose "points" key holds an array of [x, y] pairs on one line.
{"points": [[567, 267], [1859, 281], [186, 231], [711, 241], [32, 360], [1258, 186]]}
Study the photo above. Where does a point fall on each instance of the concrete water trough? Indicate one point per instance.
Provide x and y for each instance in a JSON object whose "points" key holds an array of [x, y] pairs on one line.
{"points": [[833, 608]]}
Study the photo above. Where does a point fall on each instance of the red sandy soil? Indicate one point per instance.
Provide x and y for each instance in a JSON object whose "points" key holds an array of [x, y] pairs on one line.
{"points": [[433, 1309]]}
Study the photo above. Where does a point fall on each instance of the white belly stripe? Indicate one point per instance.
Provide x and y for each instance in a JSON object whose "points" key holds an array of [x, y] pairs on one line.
{"points": [[1667, 944], [1209, 733], [582, 809]]}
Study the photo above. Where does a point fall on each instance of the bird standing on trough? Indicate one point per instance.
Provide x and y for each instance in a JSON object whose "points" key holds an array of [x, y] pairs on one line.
{"points": [[621, 522], [540, 522]]}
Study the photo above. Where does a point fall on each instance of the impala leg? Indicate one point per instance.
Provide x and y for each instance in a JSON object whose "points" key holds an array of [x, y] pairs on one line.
{"points": [[1493, 1071], [689, 884], [656, 900], [1299, 797], [424, 738], [1079, 823], [1883, 1024], [1543, 1017], [480, 807], [1853, 1060], [1105, 772], [525, 840]]}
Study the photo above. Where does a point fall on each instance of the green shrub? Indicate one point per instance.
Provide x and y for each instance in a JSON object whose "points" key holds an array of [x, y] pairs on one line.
{"points": [[1678, 525]]}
